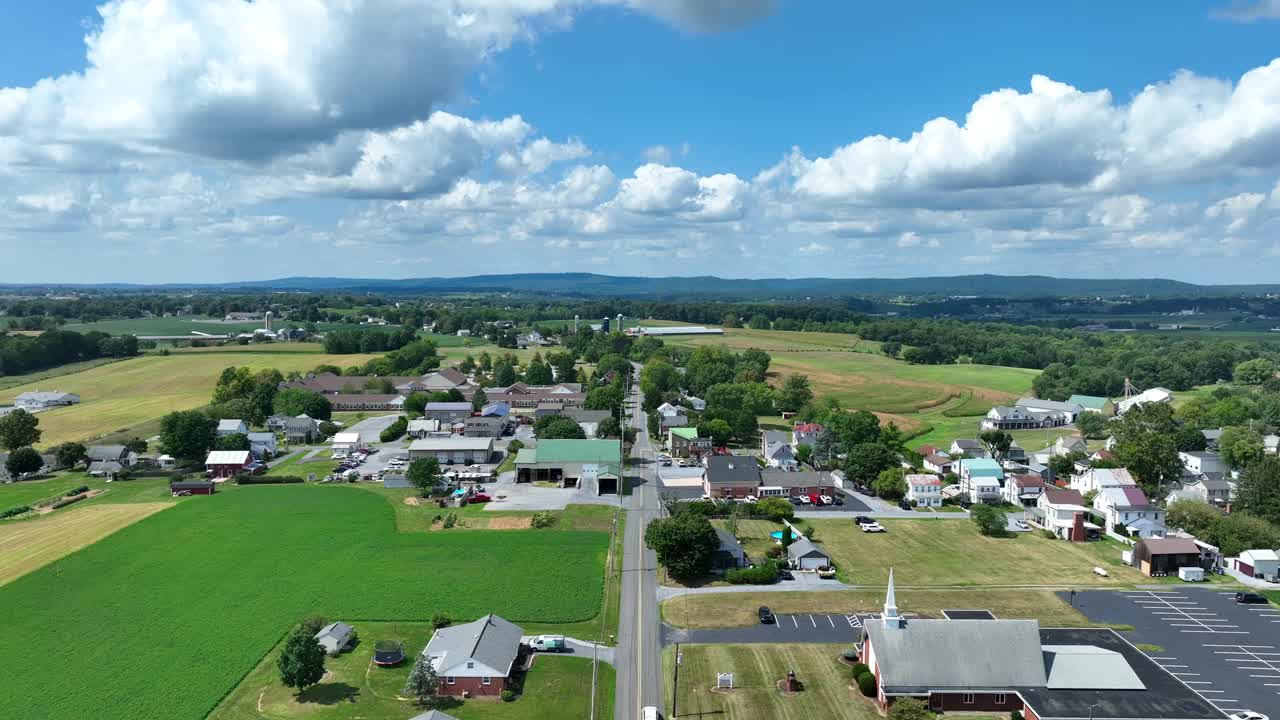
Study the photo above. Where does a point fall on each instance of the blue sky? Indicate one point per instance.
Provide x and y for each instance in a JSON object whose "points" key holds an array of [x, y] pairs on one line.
{"points": [[222, 140]]}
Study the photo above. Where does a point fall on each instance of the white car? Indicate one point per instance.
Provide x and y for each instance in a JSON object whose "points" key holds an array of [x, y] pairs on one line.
{"points": [[872, 527], [804, 500], [1100, 572], [1247, 715], [825, 499], [1021, 525], [751, 498]]}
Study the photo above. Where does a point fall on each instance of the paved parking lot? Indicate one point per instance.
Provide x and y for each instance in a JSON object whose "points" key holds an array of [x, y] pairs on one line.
{"points": [[814, 628], [1228, 653]]}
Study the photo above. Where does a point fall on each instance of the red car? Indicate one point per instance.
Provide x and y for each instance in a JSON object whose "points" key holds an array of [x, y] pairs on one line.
{"points": [[815, 499], [479, 497]]}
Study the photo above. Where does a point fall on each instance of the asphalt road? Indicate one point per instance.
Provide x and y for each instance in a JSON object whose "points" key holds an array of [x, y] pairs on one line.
{"points": [[1228, 653], [638, 657]]}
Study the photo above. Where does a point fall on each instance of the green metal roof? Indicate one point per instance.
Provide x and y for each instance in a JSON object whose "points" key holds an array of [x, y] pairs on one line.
{"points": [[688, 433], [527, 456], [983, 467], [577, 451], [1092, 402]]}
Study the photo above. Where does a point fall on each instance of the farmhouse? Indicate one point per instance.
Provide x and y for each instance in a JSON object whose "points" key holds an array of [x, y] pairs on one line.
{"points": [[684, 442], [232, 426], [924, 490], [113, 453], [981, 479], [1063, 511], [455, 450], [1023, 489], [734, 476], [571, 463], [1063, 413], [1159, 557], [780, 455], [805, 433], [335, 637], [43, 400], [1261, 564], [938, 463], [262, 444], [104, 468], [476, 657], [1210, 488], [1129, 509], [969, 448], [1019, 418], [1001, 666], [446, 412], [298, 431], [1095, 479], [226, 463]]}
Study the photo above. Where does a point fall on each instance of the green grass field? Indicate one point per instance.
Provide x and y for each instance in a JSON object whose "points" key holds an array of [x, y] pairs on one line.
{"points": [[189, 600], [132, 393], [189, 324]]}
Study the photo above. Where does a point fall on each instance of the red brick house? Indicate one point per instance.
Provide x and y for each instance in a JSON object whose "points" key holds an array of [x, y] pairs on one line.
{"points": [[476, 658], [227, 463], [735, 476]]}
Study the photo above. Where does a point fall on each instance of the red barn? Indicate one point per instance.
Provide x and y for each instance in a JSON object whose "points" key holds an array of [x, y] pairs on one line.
{"points": [[223, 464], [195, 487]]}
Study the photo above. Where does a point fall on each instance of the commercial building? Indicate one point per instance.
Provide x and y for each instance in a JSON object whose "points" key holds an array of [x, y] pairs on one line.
{"points": [[572, 463], [454, 450]]}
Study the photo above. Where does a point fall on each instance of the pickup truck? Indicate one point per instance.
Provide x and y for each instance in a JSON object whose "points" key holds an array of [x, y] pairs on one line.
{"points": [[548, 643]]}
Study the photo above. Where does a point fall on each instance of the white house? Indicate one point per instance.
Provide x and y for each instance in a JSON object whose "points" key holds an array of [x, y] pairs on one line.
{"points": [[41, 400], [335, 637], [1202, 461], [263, 444], [1264, 564], [1062, 511], [1023, 489], [937, 463], [780, 455], [969, 448], [805, 433], [1271, 444], [696, 403], [232, 427], [924, 490], [981, 478], [1068, 444], [1063, 413], [1095, 479], [1130, 508]]}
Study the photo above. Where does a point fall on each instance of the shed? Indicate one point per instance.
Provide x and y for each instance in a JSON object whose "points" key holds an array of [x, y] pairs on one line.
{"points": [[805, 555], [730, 553], [335, 637], [1159, 557], [191, 487], [225, 463], [1263, 564]]}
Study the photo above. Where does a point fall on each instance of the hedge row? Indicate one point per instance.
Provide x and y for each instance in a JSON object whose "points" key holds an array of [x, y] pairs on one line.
{"points": [[67, 501], [267, 479], [11, 512], [77, 491], [766, 573], [395, 430]]}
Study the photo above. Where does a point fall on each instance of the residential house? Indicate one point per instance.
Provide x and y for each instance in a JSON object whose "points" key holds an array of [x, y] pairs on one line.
{"points": [[1128, 511], [938, 463], [118, 453], [104, 468], [969, 448], [780, 455], [299, 431], [1068, 444], [276, 422], [490, 427], [924, 490], [804, 554], [1061, 413], [1211, 437], [476, 658], [805, 434], [346, 442], [1023, 489], [422, 427], [981, 479], [794, 484], [232, 427], [1202, 461], [1093, 403], [227, 463], [735, 476], [35, 400], [453, 450], [729, 555], [548, 407], [1153, 395], [1260, 564], [263, 445], [1063, 512], [1003, 417], [1095, 479], [930, 450], [446, 412], [1159, 557], [378, 402], [696, 403], [335, 637], [1212, 488], [572, 463], [588, 420], [683, 442]]}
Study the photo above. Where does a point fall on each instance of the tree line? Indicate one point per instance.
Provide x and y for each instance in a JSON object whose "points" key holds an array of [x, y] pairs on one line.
{"points": [[20, 354]]}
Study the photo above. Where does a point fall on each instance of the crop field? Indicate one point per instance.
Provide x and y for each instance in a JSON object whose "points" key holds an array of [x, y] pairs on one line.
{"points": [[191, 599], [130, 393], [774, 341], [27, 545], [186, 325]]}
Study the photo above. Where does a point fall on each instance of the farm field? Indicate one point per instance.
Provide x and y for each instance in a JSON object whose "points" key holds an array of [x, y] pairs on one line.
{"points": [[235, 571], [756, 670], [48, 374], [555, 687], [952, 553], [131, 393], [27, 545], [186, 325], [739, 609]]}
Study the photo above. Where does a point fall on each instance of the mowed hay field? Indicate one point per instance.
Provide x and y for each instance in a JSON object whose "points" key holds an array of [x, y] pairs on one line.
{"points": [[125, 394], [163, 618], [27, 545]]}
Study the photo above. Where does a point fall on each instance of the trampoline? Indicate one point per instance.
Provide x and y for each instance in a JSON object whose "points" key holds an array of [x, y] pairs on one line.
{"points": [[387, 653]]}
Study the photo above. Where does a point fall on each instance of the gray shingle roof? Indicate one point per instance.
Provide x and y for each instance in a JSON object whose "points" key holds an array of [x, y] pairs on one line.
{"points": [[105, 452], [732, 470], [804, 548], [804, 478], [962, 654], [490, 641]]}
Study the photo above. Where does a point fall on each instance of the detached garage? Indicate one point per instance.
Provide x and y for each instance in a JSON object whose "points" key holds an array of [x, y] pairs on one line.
{"points": [[805, 555], [1261, 564]]}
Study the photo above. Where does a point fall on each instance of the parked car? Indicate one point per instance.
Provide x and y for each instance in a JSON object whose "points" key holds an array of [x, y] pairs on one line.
{"points": [[751, 498], [826, 499], [1021, 525], [872, 527], [766, 616], [838, 499], [548, 643], [665, 463], [861, 519], [785, 574], [1249, 598], [479, 498], [804, 500], [814, 498], [795, 501], [650, 712], [1247, 715]]}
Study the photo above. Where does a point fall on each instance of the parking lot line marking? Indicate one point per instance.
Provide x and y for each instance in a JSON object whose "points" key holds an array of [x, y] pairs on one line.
{"points": [[1171, 665], [812, 621], [1196, 682], [1273, 677], [1181, 674], [1154, 657], [1210, 691], [1223, 700], [1270, 647], [833, 622], [793, 621]]}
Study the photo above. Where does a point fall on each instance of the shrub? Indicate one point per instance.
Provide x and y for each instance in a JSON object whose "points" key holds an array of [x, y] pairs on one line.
{"points": [[77, 491], [860, 669], [775, 551], [267, 479], [440, 620], [14, 511], [544, 519], [395, 430], [67, 501], [867, 684], [1017, 714], [507, 695], [766, 573], [314, 624], [450, 520], [1048, 534]]}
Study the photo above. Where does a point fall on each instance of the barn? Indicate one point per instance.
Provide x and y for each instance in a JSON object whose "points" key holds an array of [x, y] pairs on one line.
{"points": [[191, 487]]}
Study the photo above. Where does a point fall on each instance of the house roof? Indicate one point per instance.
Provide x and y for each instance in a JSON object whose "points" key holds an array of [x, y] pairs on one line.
{"points": [[922, 479], [485, 420], [231, 424], [433, 715], [727, 539], [936, 459], [490, 641], [228, 457], [292, 423], [732, 470], [454, 442], [1255, 555], [1028, 481], [586, 416], [775, 436], [346, 438], [803, 478], [1088, 402], [981, 467], [1055, 405], [1062, 496], [778, 449], [449, 406], [807, 428], [45, 396], [968, 444], [969, 654], [339, 632], [688, 433], [105, 452], [103, 466], [1112, 477], [803, 548], [1171, 546], [262, 437]]}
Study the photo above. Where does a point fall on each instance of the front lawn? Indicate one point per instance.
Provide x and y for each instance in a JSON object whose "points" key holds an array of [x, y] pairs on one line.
{"points": [[354, 688]]}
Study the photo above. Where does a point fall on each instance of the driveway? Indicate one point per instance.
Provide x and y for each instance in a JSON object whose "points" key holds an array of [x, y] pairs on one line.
{"points": [[371, 428], [1228, 653], [509, 495]]}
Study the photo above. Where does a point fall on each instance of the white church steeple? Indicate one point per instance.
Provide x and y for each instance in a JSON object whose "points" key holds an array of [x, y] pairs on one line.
{"points": [[890, 616]]}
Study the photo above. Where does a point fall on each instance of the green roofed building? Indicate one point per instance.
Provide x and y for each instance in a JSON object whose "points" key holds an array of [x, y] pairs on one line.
{"points": [[1093, 403], [591, 464], [684, 442]]}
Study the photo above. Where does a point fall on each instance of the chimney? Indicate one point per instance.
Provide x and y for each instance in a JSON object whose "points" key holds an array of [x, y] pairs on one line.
{"points": [[1077, 529]]}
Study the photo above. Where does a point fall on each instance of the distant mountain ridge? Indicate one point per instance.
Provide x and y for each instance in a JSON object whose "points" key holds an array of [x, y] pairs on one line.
{"points": [[710, 286]]}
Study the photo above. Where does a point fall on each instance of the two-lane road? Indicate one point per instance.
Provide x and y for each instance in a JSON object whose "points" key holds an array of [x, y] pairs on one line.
{"points": [[639, 650]]}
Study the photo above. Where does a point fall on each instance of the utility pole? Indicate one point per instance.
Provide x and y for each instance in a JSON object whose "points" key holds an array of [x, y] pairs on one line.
{"points": [[675, 694]]}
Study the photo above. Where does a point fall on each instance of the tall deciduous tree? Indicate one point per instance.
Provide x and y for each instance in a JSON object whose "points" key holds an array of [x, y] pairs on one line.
{"points": [[18, 429], [684, 543], [69, 454], [1240, 446], [300, 401], [479, 399], [187, 435], [795, 393], [1195, 517], [1258, 491], [997, 442], [424, 474], [1146, 445], [301, 663], [22, 461]]}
